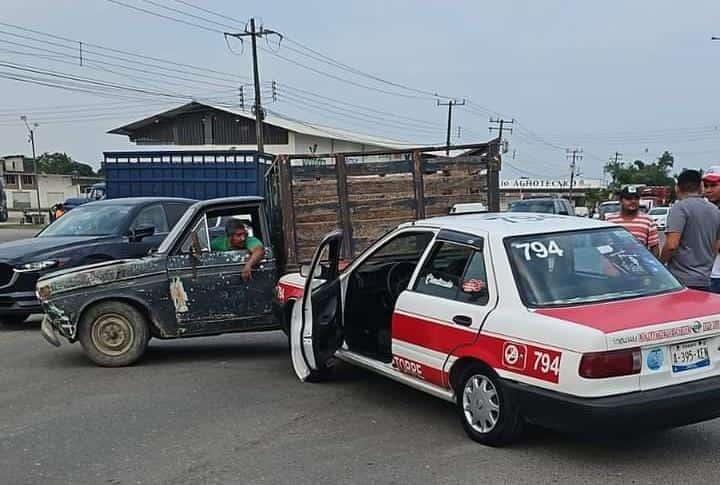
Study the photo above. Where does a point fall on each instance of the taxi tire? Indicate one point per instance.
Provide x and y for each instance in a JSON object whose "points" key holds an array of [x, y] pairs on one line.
{"points": [[510, 423], [139, 328]]}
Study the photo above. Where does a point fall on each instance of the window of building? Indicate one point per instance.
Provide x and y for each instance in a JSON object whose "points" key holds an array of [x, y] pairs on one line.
{"points": [[28, 181], [21, 200], [11, 181]]}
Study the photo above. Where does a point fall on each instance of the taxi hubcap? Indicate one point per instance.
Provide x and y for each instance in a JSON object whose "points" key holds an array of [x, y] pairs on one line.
{"points": [[481, 404], [112, 334]]}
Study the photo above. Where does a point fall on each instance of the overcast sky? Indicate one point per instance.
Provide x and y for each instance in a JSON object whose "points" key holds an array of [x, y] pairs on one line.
{"points": [[636, 77]]}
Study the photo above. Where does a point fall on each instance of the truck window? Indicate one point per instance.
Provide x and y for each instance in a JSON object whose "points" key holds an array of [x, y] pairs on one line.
{"points": [[197, 240], [152, 216]]}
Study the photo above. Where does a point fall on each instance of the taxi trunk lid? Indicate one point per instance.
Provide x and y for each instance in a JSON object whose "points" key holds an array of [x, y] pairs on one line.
{"points": [[678, 333]]}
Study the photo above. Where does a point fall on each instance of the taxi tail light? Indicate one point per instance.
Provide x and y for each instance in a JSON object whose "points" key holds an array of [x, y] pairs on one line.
{"points": [[614, 363]]}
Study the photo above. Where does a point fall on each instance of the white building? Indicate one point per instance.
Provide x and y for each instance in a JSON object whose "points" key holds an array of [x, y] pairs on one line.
{"points": [[524, 187], [21, 189]]}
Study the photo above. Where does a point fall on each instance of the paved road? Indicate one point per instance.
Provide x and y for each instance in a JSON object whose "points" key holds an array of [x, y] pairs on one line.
{"points": [[229, 410], [11, 234]]}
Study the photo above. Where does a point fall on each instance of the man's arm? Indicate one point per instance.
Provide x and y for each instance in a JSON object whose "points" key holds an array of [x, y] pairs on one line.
{"points": [[653, 240], [675, 227], [256, 255], [672, 242]]}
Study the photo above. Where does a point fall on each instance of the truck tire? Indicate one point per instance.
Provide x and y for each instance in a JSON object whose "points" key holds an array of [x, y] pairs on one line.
{"points": [[3, 215], [113, 334], [488, 413]]}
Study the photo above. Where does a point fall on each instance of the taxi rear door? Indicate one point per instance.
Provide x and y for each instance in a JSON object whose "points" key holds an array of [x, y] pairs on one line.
{"points": [[317, 319]]}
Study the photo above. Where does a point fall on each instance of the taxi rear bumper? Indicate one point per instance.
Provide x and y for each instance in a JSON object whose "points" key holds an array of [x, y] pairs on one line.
{"points": [[666, 407]]}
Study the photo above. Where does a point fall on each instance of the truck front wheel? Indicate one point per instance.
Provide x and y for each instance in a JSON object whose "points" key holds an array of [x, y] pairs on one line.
{"points": [[114, 334]]}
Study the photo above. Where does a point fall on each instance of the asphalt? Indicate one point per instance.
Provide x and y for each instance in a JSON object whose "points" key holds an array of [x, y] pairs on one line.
{"points": [[229, 409]]}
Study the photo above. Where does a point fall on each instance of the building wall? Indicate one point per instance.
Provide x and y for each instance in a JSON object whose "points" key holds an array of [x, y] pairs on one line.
{"points": [[53, 189]]}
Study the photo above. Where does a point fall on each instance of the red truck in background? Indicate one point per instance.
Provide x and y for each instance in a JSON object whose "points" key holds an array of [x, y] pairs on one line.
{"points": [[655, 196]]}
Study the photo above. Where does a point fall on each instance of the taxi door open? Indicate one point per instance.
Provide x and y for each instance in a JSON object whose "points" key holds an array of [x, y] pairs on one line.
{"points": [[316, 324]]}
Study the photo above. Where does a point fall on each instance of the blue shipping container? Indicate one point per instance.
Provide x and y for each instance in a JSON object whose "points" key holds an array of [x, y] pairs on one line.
{"points": [[192, 174]]}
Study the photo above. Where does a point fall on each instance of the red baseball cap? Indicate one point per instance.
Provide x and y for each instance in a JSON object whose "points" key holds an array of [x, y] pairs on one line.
{"points": [[712, 174]]}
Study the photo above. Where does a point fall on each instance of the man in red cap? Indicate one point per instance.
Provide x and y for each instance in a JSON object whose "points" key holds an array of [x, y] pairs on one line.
{"points": [[711, 187], [638, 224]]}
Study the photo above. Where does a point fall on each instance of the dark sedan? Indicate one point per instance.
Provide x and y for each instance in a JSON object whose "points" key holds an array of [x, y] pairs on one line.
{"points": [[94, 232]]}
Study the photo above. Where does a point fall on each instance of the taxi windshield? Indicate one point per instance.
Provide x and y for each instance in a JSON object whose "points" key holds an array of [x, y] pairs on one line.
{"points": [[588, 266]]}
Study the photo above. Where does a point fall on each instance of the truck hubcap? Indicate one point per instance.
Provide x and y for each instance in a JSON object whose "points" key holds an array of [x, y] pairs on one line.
{"points": [[481, 403], [112, 334]]}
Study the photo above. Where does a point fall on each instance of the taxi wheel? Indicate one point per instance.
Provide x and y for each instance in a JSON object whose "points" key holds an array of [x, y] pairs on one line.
{"points": [[488, 413], [113, 334]]}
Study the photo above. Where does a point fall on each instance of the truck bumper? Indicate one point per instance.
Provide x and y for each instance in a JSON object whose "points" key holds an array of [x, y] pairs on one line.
{"points": [[19, 302], [49, 332], [666, 407]]}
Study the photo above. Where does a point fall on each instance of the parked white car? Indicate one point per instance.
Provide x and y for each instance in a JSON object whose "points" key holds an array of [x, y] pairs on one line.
{"points": [[565, 322], [659, 217]]}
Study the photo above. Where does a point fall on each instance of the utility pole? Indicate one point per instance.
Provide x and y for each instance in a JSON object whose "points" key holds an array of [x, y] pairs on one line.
{"points": [[574, 155], [31, 139], [257, 106], [493, 170], [615, 162], [450, 104]]}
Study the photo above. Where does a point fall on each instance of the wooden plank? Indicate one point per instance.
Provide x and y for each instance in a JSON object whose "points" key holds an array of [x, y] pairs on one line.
{"points": [[288, 211], [419, 185], [344, 206]]}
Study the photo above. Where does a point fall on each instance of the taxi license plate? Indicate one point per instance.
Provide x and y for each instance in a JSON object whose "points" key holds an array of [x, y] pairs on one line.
{"points": [[690, 355]]}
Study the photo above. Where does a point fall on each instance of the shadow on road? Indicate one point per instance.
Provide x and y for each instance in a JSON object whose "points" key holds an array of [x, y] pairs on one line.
{"points": [[230, 348], [31, 326], [169, 353]]}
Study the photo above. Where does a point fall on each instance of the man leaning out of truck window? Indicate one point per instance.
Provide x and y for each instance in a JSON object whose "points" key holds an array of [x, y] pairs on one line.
{"points": [[237, 238]]}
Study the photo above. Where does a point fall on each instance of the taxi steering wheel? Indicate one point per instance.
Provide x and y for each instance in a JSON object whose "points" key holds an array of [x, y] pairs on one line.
{"points": [[396, 281]]}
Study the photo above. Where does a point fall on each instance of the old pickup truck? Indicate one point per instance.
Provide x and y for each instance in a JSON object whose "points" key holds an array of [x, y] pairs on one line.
{"points": [[188, 289]]}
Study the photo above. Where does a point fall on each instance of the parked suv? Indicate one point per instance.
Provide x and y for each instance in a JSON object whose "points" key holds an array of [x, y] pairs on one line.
{"points": [[549, 205], [95, 232]]}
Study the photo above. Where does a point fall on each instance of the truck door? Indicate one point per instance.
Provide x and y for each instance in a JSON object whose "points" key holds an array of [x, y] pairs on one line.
{"points": [[317, 320], [207, 288]]}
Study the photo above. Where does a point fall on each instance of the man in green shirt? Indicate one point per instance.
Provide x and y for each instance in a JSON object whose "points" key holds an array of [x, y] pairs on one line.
{"points": [[237, 239]]}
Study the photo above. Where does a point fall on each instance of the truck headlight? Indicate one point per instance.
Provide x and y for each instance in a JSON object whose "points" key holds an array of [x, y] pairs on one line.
{"points": [[38, 265]]}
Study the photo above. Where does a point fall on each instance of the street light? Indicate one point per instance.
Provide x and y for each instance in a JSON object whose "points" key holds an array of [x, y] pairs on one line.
{"points": [[31, 139]]}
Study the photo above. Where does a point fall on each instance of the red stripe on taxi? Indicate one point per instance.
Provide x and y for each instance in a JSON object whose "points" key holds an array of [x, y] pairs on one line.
{"points": [[497, 352], [639, 312]]}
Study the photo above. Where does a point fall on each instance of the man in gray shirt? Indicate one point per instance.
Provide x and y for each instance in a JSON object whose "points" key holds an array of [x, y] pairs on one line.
{"points": [[692, 234]]}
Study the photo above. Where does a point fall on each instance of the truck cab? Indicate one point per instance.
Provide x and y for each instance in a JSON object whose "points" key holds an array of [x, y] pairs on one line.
{"points": [[189, 287]]}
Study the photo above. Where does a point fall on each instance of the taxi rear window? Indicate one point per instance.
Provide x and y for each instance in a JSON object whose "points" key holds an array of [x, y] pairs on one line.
{"points": [[587, 266]]}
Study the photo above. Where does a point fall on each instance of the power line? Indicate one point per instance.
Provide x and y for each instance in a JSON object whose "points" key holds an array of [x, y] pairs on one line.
{"points": [[182, 12], [167, 17], [90, 64], [203, 71]]}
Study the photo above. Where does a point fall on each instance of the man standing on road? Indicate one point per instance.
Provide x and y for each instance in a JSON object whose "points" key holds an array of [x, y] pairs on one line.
{"points": [[692, 234], [638, 224], [711, 181]]}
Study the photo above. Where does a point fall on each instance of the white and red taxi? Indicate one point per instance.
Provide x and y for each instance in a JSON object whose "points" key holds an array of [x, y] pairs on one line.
{"points": [[565, 322]]}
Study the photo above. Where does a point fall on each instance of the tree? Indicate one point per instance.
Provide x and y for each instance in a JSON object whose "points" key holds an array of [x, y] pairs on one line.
{"points": [[61, 163], [638, 172]]}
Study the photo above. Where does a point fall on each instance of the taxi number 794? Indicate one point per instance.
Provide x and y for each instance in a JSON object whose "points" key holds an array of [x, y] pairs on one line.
{"points": [[546, 364]]}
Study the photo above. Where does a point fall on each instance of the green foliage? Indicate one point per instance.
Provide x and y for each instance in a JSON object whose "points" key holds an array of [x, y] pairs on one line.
{"points": [[61, 163], [638, 172]]}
